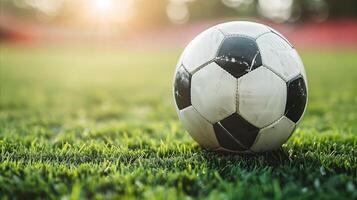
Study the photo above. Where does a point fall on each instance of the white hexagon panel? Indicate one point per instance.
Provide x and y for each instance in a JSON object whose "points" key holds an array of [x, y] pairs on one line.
{"points": [[250, 29], [280, 35], [261, 97], [202, 49], [278, 55], [300, 65], [213, 92], [198, 127], [273, 136]]}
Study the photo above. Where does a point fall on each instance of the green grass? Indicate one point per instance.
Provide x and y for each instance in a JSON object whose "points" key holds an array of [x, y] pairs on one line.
{"points": [[100, 123]]}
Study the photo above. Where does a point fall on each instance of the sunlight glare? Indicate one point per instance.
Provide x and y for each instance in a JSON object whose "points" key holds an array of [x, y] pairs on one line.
{"points": [[103, 5], [108, 11]]}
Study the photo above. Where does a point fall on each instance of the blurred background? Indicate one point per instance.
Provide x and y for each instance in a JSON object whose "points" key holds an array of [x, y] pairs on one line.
{"points": [[114, 59], [172, 23], [86, 105]]}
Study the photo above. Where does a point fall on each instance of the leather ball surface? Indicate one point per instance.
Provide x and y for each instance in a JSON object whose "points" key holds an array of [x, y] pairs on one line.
{"points": [[240, 87]]}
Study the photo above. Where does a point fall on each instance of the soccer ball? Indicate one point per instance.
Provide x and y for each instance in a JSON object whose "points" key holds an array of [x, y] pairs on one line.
{"points": [[240, 87]]}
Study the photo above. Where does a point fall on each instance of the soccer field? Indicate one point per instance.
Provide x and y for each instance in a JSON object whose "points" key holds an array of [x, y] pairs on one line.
{"points": [[100, 123]]}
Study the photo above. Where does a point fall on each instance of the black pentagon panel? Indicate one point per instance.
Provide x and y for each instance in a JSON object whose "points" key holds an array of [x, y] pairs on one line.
{"points": [[296, 99], [239, 55], [240, 129], [182, 88], [225, 139]]}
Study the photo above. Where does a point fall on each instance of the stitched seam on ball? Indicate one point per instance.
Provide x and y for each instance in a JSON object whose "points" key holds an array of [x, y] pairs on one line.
{"points": [[202, 66], [237, 103], [246, 151], [173, 85], [209, 123], [303, 113], [270, 69], [269, 30], [225, 70], [229, 36], [275, 121], [266, 66], [296, 77], [223, 33], [242, 145], [184, 68], [256, 140], [295, 126], [240, 35], [262, 35], [212, 60], [220, 45], [287, 86], [279, 35]]}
